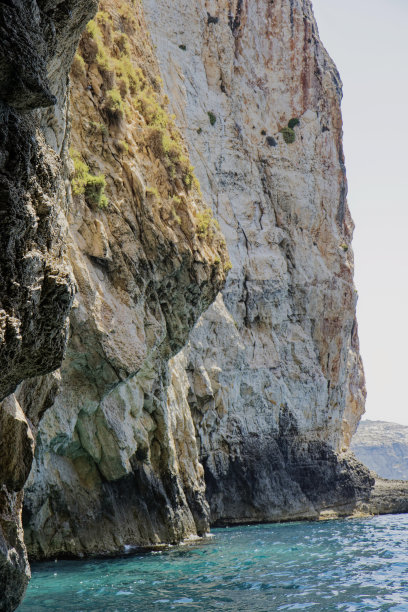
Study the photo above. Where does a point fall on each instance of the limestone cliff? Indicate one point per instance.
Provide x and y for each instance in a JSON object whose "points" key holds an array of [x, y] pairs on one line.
{"points": [[138, 244], [383, 447], [270, 387], [272, 373], [37, 42], [115, 465]]}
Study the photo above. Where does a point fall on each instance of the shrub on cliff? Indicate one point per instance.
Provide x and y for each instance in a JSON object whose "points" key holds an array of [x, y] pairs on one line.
{"points": [[90, 185], [206, 224], [288, 134], [114, 107], [95, 191], [293, 122], [97, 127], [99, 37], [212, 117]]}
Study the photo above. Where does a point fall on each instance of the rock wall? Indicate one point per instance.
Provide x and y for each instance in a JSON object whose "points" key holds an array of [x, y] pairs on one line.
{"points": [[37, 43], [270, 388], [383, 447], [116, 465], [272, 373]]}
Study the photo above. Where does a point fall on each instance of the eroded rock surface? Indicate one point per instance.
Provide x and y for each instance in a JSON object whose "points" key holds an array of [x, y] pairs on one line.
{"points": [[116, 464], [37, 43], [273, 375]]}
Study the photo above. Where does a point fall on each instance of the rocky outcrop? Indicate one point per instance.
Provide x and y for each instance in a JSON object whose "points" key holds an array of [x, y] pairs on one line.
{"points": [[272, 373], [16, 454], [115, 464], [37, 43], [383, 447]]}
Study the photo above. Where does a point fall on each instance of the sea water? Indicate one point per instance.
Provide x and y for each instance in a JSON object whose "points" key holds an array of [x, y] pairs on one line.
{"points": [[348, 565]]}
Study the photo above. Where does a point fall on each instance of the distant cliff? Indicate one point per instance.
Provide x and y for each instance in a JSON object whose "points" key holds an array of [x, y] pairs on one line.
{"points": [[383, 447]]}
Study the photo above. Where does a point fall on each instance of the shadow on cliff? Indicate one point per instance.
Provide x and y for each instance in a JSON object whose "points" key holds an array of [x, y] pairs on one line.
{"points": [[283, 477]]}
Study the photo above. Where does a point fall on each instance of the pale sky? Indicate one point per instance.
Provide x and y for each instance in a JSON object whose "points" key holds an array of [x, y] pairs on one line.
{"points": [[368, 40]]}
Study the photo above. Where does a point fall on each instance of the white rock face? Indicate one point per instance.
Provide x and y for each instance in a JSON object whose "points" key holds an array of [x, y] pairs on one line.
{"points": [[275, 380]]}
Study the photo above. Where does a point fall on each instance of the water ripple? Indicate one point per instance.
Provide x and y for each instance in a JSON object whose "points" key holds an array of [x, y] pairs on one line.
{"points": [[345, 566]]}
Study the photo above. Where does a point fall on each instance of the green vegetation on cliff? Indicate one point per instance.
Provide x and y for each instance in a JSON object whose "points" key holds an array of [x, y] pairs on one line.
{"points": [[91, 185], [130, 91]]}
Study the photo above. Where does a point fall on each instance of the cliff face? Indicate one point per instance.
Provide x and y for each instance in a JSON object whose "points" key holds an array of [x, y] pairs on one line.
{"points": [[270, 387], [37, 43], [115, 465], [272, 373], [383, 447]]}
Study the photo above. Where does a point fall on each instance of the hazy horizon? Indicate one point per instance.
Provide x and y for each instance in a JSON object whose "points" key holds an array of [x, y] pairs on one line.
{"points": [[369, 44]]}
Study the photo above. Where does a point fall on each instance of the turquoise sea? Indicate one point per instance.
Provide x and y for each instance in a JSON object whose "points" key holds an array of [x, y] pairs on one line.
{"points": [[347, 565]]}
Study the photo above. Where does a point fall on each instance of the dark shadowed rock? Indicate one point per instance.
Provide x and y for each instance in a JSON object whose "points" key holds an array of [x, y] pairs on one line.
{"points": [[37, 43]]}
